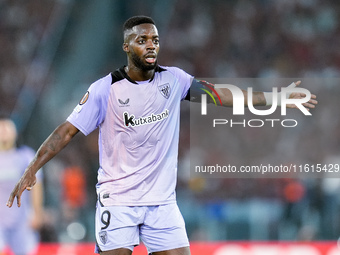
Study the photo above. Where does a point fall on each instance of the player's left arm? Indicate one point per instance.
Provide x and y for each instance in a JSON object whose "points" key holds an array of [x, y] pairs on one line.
{"points": [[225, 97]]}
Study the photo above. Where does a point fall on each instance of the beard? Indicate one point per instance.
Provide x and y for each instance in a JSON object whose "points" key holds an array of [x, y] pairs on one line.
{"points": [[138, 62]]}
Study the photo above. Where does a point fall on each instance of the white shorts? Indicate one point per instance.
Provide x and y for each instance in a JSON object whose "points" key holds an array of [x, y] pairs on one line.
{"points": [[160, 227]]}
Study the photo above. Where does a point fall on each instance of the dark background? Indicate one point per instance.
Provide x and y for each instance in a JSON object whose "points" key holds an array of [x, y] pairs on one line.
{"points": [[51, 51]]}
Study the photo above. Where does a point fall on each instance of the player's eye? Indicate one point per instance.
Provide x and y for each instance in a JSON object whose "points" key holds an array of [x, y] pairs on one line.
{"points": [[156, 41], [141, 41]]}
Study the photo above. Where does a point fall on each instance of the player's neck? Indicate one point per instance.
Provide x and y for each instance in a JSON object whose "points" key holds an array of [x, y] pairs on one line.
{"points": [[137, 74]]}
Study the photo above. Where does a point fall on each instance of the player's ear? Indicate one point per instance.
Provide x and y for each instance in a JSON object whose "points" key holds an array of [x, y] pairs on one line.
{"points": [[126, 47]]}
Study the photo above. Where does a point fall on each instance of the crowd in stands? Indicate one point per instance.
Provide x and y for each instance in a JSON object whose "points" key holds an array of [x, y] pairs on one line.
{"points": [[22, 24]]}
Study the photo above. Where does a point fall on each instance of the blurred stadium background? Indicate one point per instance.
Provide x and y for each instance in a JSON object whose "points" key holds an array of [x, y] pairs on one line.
{"points": [[51, 50]]}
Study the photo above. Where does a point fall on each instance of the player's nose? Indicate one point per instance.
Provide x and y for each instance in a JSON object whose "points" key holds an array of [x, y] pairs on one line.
{"points": [[150, 45]]}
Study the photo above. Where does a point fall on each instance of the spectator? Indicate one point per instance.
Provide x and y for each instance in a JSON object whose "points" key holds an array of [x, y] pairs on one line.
{"points": [[18, 227]]}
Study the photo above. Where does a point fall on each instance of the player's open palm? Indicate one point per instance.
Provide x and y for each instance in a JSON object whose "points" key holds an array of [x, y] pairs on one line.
{"points": [[309, 105]]}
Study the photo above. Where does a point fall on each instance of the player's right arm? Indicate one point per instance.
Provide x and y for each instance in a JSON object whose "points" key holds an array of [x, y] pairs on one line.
{"points": [[59, 138]]}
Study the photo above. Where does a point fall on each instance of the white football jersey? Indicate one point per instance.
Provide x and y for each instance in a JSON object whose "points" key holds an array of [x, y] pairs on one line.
{"points": [[138, 135]]}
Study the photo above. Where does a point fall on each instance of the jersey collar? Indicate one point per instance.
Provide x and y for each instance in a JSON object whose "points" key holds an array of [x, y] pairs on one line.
{"points": [[120, 74]]}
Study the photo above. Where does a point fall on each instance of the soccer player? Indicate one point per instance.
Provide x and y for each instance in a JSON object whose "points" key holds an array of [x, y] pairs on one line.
{"points": [[18, 228], [136, 109]]}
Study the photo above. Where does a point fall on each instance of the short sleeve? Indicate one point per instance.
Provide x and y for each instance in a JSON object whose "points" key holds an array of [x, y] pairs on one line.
{"points": [[184, 79], [91, 110], [197, 88]]}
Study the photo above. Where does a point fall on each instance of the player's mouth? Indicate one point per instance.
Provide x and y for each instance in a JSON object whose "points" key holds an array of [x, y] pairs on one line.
{"points": [[150, 58]]}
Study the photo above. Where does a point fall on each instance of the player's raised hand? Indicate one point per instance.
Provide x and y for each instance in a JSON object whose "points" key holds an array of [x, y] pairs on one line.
{"points": [[27, 181], [309, 105]]}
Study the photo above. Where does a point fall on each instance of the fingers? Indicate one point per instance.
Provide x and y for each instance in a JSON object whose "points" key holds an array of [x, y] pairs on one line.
{"points": [[19, 199], [12, 196], [309, 105], [302, 95], [297, 83], [16, 193], [26, 182], [312, 101], [10, 200]]}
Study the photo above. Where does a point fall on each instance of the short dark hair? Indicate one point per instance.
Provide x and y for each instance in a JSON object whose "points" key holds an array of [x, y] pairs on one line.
{"points": [[137, 20]]}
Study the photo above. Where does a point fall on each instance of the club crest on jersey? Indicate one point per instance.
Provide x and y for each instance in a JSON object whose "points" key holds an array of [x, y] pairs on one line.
{"points": [[165, 90], [103, 236]]}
